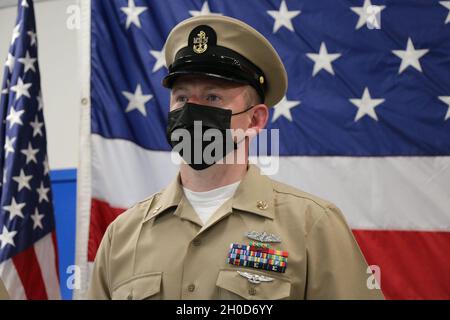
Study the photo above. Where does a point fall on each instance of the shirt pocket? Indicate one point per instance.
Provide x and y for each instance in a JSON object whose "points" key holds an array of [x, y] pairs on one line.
{"points": [[140, 287], [231, 285]]}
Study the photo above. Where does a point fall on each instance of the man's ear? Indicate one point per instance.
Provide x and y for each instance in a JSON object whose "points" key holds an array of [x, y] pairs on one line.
{"points": [[260, 117]]}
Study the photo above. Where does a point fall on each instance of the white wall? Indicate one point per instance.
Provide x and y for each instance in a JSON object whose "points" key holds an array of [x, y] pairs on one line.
{"points": [[58, 62]]}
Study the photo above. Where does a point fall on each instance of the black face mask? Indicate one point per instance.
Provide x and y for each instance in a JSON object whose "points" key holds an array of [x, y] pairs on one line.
{"points": [[204, 147]]}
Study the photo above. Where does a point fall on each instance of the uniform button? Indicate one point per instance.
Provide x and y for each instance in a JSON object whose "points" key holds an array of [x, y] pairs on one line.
{"points": [[197, 242], [252, 291], [261, 205], [191, 287]]}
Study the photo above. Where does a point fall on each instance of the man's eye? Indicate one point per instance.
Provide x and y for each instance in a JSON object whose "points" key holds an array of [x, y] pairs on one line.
{"points": [[182, 99], [212, 98]]}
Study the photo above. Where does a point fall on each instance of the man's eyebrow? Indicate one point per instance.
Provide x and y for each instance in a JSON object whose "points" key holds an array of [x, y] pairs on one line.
{"points": [[178, 88]]}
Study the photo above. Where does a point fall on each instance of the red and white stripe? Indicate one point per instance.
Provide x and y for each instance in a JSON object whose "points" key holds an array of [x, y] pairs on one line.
{"points": [[33, 273]]}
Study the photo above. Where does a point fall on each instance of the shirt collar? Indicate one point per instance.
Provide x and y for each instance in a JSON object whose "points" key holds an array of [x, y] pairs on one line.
{"points": [[254, 195]]}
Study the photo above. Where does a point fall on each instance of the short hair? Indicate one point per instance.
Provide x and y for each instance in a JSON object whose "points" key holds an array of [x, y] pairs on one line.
{"points": [[252, 97]]}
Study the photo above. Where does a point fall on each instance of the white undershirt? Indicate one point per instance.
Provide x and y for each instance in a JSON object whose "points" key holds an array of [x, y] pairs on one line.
{"points": [[207, 202]]}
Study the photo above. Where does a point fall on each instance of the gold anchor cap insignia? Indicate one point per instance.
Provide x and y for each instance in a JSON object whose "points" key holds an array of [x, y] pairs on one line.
{"points": [[200, 42]]}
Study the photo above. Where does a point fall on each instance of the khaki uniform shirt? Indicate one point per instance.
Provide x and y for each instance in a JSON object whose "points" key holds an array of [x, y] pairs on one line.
{"points": [[3, 292], [159, 248]]}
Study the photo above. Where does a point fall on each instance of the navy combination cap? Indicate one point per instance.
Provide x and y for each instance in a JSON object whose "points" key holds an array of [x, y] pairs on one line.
{"points": [[225, 48]]}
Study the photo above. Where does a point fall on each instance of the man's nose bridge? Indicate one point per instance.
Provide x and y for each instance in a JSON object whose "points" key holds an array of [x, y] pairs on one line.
{"points": [[194, 97]]}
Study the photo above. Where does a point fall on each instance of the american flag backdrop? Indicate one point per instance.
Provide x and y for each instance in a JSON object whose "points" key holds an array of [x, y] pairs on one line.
{"points": [[365, 122], [28, 252]]}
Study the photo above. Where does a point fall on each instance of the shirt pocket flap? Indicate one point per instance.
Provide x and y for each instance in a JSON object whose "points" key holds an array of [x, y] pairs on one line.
{"points": [[232, 281], [139, 287]]}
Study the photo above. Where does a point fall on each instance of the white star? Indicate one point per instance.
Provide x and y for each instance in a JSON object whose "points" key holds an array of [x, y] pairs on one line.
{"points": [[133, 13], [23, 180], [10, 62], [42, 192], [283, 108], [14, 117], [37, 126], [28, 62], [367, 14], [366, 105], [7, 237], [283, 17], [37, 219], [204, 11], [33, 37], [21, 89], [39, 100], [447, 5], [410, 56], [6, 89], [160, 59], [446, 99], [16, 33], [46, 166], [323, 59], [15, 209], [30, 153], [24, 3], [137, 100], [9, 145]]}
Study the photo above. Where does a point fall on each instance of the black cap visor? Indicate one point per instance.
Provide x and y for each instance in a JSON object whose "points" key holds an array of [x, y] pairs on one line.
{"points": [[220, 63]]}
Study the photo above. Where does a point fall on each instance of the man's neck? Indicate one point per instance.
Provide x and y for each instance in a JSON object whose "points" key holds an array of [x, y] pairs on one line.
{"points": [[216, 176]]}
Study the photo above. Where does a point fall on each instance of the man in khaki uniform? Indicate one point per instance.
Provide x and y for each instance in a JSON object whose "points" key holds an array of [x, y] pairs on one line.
{"points": [[225, 231], [3, 291]]}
